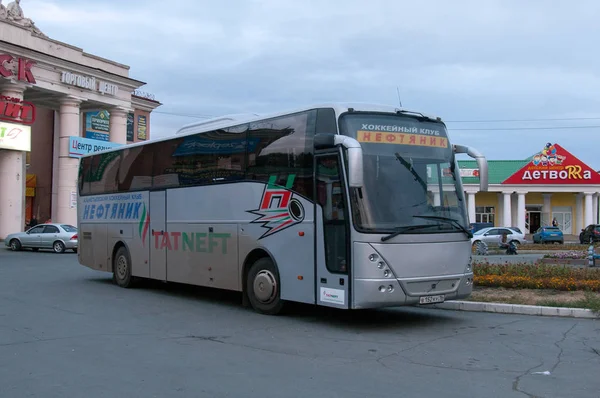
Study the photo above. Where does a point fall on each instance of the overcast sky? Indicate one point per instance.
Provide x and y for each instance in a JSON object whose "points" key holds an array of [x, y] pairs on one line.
{"points": [[462, 60]]}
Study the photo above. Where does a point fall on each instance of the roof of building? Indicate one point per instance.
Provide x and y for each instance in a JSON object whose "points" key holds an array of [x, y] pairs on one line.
{"points": [[498, 170]]}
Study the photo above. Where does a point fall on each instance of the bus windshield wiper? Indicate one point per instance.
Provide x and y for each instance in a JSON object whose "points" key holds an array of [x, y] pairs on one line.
{"points": [[410, 168], [449, 220], [401, 230]]}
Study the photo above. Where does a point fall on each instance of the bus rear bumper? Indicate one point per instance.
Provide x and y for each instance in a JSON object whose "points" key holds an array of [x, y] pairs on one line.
{"points": [[378, 293]]}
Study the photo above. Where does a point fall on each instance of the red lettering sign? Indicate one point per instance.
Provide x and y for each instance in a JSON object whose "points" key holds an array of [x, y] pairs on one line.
{"points": [[554, 165], [16, 111], [23, 68]]}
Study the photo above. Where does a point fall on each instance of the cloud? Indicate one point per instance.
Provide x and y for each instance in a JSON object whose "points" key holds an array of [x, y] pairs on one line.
{"points": [[462, 60]]}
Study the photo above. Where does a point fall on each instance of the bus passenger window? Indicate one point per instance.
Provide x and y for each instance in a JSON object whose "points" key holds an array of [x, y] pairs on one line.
{"points": [[284, 147]]}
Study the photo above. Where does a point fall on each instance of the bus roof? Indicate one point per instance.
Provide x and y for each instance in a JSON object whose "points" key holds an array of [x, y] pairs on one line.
{"points": [[225, 121], [231, 120]]}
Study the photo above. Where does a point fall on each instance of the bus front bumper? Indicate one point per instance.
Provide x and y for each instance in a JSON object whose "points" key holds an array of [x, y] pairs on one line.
{"points": [[377, 293]]}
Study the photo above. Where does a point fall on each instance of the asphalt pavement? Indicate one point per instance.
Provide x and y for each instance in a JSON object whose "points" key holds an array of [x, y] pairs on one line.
{"points": [[67, 331]]}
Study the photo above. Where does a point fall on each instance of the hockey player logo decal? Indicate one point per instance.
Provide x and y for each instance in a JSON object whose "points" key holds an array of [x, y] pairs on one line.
{"points": [[278, 210]]}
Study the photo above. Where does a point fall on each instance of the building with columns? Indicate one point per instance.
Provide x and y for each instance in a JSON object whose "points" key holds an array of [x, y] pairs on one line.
{"points": [[57, 102], [550, 185]]}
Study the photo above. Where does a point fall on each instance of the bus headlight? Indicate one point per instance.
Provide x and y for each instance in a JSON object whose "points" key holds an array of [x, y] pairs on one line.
{"points": [[386, 273], [469, 264], [373, 257]]}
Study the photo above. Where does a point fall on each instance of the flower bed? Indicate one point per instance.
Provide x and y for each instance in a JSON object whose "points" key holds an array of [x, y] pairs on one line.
{"points": [[567, 261], [536, 276], [523, 282], [572, 255], [569, 257], [548, 246]]}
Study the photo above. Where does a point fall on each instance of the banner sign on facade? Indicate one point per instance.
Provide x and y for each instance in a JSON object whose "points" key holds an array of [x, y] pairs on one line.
{"points": [[469, 172], [130, 127], [19, 68], [16, 137], [16, 110], [142, 128], [97, 125], [79, 146], [554, 165], [89, 83]]}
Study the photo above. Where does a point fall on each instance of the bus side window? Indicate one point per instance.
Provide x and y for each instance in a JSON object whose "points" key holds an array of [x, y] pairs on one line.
{"points": [[135, 172], [283, 147], [201, 159], [84, 176]]}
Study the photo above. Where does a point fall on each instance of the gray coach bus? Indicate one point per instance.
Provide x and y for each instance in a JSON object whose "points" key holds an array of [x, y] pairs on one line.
{"points": [[341, 205]]}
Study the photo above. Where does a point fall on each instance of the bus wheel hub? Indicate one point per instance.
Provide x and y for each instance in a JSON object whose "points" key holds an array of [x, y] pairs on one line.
{"points": [[265, 286], [122, 266]]}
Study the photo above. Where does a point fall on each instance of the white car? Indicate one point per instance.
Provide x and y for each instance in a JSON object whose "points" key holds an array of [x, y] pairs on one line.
{"points": [[492, 236]]}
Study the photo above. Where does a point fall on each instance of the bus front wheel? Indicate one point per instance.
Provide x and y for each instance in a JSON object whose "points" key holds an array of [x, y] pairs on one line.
{"points": [[122, 268], [264, 288]]}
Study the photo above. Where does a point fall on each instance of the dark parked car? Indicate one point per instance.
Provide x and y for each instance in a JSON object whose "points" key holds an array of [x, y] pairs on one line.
{"points": [[590, 234], [548, 235]]}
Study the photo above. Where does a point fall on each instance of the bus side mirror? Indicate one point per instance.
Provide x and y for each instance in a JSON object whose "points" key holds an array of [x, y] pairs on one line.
{"points": [[355, 159], [481, 164], [324, 141]]}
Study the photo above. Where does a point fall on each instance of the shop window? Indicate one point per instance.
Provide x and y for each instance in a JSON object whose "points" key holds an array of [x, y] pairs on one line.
{"points": [[283, 147], [485, 214]]}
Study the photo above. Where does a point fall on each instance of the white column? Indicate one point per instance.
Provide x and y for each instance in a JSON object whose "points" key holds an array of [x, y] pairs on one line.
{"points": [[547, 209], [13, 174], [500, 211], [579, 211], [118, 125], [55, 153], [513, 211], [471, 204], [67, 166], [595, 208], [506, 207], [588, 208], [521, 211], [437, 201]]}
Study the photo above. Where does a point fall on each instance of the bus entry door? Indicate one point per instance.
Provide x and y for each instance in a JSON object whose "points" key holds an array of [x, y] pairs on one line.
{"points": [[158, 227], [333, 265]]}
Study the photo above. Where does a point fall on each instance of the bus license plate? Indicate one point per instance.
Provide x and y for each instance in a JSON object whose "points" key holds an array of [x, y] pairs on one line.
{"points": [[431, 299]]}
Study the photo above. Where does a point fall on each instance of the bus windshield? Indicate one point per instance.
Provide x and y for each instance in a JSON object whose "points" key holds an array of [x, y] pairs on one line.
{"points": [[410, 173]]}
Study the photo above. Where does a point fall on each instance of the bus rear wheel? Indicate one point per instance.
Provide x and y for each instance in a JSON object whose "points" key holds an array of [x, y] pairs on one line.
{"points": [[122, 268], [264, 288]]}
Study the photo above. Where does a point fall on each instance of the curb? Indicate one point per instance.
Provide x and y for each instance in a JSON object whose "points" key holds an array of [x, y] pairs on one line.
{"points": [[515, 309]]}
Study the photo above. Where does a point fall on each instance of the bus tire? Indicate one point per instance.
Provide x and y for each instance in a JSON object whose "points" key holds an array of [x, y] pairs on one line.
{"points": [[264, 288], [122, 268]]}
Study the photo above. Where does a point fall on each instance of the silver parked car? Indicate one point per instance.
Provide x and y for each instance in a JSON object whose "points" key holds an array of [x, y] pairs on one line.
{"points": [[55, 236], [493, 236]]}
